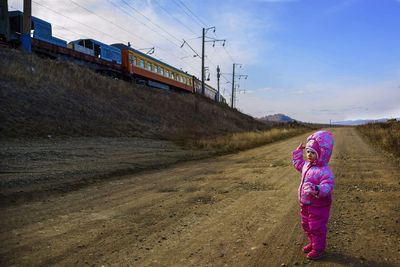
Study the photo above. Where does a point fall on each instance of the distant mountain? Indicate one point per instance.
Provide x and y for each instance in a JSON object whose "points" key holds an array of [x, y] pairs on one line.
{"points": [[277, 118], [359, 122]]}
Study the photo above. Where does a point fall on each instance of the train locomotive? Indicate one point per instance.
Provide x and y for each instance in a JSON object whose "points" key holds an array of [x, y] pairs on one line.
{"points": [[117, 60]]}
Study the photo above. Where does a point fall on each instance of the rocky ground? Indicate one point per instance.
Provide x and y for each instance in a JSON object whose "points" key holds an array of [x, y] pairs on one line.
{"points": [[233, 210]]}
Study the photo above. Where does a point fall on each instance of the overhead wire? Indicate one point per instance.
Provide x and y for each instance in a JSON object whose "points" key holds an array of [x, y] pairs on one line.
{"points": [[127, 13], [68, 30], [203, 24], [58, 13], [121, 28], [122, 10], [184, 11], [109, 21], [150, 20], [175, 18], [133, 34], [194, 14], [59, 26]]}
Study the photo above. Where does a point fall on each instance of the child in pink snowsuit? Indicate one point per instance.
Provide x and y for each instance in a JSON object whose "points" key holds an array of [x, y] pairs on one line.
{"points": [[315, 190]]}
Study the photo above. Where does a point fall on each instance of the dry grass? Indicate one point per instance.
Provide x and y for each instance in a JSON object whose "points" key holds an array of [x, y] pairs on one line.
{"points": [[245, 140], [384, 135], [40, 97]]}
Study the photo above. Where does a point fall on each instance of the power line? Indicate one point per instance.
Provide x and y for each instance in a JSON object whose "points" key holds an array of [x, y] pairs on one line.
{"points": [[65, 29], [184, 11], [101, 17], [148, 19], [134, 9], [168, 53], [178, 20], [58, 13], [161, 28], [229, 54], [151, 30], [127, 13], [206, 26], [226, 51]]}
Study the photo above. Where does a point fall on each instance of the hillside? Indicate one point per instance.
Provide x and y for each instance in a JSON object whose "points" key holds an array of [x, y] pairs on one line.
{"points": [[360, 122], [276, 118], [42, 97]]}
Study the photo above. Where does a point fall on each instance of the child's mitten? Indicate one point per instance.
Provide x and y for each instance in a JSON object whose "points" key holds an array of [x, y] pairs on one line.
{"points": [[310, 189], [301, 146]]}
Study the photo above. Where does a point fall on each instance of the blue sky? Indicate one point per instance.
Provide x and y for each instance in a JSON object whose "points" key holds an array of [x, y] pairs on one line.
{"points": [[314, 60]]}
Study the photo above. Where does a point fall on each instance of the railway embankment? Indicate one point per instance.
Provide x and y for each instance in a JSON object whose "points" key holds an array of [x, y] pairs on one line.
{"points": [[42, 97], [63, 127]]}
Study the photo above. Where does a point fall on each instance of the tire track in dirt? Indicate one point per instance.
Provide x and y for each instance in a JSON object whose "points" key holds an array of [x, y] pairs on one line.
{"points": [[234, 210]]}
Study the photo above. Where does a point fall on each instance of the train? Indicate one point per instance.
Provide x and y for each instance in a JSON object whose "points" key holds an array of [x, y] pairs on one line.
{"points": [[117, 60]]}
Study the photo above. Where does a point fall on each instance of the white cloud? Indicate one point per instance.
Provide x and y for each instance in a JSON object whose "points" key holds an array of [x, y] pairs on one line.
{"points": [[327, 102]]}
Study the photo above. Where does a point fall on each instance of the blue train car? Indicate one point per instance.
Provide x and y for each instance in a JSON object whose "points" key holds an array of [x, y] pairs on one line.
{"points": [[42, 30], [97, 49], [4, 23]]}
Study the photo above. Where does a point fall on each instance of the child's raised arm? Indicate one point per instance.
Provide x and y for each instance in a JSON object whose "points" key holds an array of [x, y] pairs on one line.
{"points": [[297, 157]]}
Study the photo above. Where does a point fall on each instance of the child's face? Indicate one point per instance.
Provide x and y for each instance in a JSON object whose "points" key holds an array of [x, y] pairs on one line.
{"points": [[311, 155]]}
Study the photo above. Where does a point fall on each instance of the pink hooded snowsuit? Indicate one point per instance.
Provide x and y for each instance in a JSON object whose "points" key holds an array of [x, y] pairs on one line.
{"points": [[315, 203]]}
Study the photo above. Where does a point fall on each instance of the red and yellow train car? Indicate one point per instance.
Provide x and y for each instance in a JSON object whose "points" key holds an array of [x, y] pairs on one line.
{"points": [[155, 72]]}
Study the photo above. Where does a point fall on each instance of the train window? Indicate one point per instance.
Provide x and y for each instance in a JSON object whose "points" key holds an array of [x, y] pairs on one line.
{"points": [[162, 71], [135, 60], [156, 68], [173, 75], [142, 63], [184, 80], [167, 74], [97, 51], [149, 66], [130, 59], [88, 44]]}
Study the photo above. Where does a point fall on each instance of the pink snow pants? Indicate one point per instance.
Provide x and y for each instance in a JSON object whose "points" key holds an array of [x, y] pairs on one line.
{"points": [[314, 221]]}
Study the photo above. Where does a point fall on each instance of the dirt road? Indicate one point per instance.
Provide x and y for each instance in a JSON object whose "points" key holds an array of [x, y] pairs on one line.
{"points": [[234, 210], [31, 169]]}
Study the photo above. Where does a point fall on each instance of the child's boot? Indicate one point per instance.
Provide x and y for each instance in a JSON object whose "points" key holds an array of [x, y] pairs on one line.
{"points": [[307, 248], [314, 255]]}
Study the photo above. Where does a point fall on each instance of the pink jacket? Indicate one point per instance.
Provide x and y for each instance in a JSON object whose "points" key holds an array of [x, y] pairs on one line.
{"points": [[317, 173]]}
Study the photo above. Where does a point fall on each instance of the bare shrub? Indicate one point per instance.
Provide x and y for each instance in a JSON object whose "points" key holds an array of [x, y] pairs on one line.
{"points": [[244, 140], [384, 135]]}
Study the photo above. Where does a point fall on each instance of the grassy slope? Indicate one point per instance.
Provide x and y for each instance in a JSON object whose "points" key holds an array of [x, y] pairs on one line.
{"points": [[384, 135], [39, 97]]}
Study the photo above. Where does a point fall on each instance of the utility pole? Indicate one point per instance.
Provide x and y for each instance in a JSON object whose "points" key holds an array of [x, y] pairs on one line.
{"points": [[202, 61], [26, 26], [233, 82], [218, 76], [233, 85], [203, 53]]}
